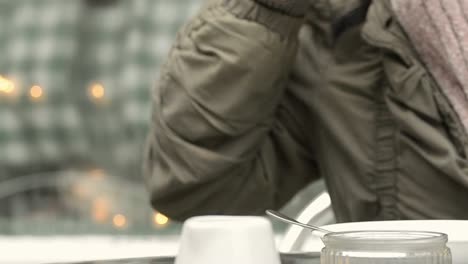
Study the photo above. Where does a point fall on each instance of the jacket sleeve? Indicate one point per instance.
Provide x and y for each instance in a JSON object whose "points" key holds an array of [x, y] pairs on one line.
{"points": [[223, 140]]}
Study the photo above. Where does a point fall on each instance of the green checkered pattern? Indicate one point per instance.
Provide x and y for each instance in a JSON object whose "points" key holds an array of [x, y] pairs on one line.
{"points": [[64, 47]]}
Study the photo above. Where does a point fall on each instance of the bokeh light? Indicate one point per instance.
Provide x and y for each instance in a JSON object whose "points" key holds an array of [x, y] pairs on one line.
{"points": [[119, 221], [100, 209], [6, 86], [36, 92], [97, 91], [160, 219]]}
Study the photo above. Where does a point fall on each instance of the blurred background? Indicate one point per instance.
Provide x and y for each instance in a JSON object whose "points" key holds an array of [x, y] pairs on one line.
{"points": [[75, 102], [75, 84]]}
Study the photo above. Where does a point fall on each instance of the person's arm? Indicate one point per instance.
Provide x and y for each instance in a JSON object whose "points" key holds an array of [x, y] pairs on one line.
{"points": [[223, 139]]}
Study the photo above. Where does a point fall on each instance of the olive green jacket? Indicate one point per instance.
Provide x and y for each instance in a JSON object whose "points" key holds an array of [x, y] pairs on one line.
{"points": [[253, 104]]}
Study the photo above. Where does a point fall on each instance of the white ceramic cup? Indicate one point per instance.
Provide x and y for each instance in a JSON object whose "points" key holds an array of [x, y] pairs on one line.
{"points": [[227, 240]]}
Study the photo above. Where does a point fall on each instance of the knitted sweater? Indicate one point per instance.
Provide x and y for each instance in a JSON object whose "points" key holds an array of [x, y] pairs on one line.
{"points": [[439, 31]]}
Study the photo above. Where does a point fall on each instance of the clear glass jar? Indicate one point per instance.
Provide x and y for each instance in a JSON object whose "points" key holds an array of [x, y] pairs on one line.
{"points": [[386, 247]]}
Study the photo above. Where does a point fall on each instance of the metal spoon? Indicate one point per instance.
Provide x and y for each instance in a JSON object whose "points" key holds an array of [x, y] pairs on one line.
{"points": [[289, 220]]}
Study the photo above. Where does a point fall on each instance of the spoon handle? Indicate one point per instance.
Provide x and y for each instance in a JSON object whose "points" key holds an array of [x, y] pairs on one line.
{"points": [[289, 220]]}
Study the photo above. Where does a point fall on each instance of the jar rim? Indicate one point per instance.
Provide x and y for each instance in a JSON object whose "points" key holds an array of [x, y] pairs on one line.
{"points": [[385, 239]]}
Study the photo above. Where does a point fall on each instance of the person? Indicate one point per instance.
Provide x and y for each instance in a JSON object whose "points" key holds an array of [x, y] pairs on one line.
{"points": [[260, 97]]}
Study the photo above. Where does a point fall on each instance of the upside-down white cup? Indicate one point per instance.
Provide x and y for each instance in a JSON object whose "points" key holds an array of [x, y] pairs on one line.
{"points": [[227, 240]]}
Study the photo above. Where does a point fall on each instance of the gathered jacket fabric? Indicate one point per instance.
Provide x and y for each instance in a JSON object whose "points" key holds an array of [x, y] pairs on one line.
{"points": [[254, 103]]}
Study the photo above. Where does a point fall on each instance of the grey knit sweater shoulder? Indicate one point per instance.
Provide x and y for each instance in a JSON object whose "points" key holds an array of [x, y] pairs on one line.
{"points": [[439, 32]]}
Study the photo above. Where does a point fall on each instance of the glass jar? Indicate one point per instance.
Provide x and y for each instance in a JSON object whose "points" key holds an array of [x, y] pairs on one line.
{"points": [[386, 247]]}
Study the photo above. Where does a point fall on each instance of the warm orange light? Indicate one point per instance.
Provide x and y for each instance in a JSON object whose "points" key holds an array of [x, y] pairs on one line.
{"points": [[97, 91], [36, 92], [119, 220], [160, 219], [100, 209], [6, 85]]}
